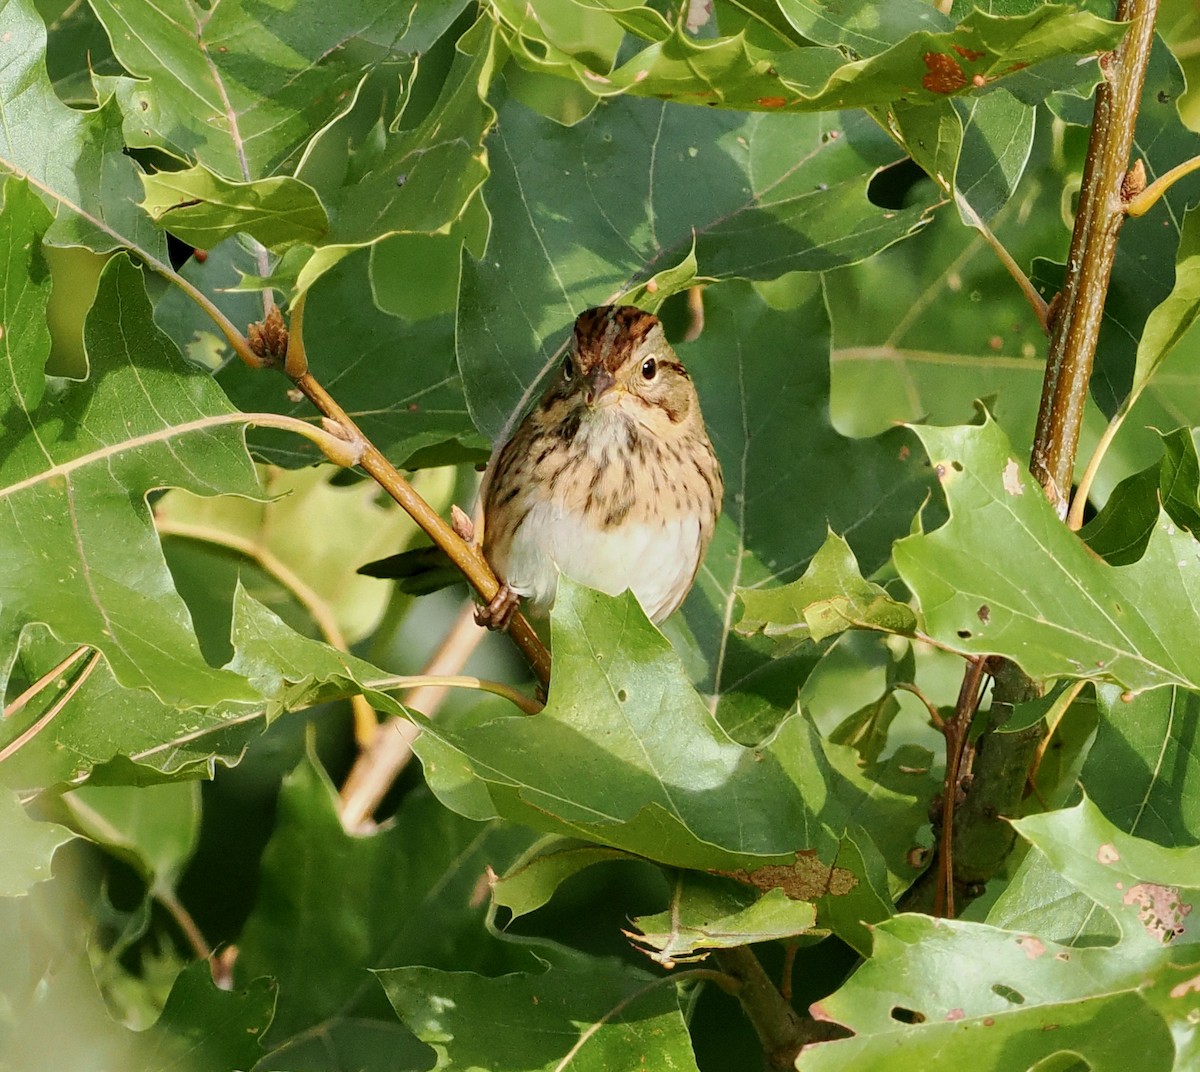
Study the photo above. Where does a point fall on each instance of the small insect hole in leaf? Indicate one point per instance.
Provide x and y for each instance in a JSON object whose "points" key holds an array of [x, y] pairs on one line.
{"points": [[622, 695], [956, 466], [964, 634], [907, 1016], [1013, 997]]}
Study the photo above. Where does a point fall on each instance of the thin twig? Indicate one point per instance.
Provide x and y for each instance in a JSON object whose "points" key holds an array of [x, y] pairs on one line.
{"points": [[1040, 308], [166, 897], [956, 731], [935, 716], [44, 680], [466, 556], [18, 743]]}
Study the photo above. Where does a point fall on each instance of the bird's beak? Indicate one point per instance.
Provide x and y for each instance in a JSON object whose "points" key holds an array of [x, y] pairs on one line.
{"points": [[600, 388]]}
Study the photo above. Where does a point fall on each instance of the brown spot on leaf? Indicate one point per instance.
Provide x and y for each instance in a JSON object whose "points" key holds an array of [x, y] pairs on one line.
{"points": [[985, 613], [1108, 854], [955, 1014], [969, 54], [1181, 990], [978, 81], [1012, 478], [805, 880], [772, 102], [1033, 947], [945, 75], [1160, 910]]}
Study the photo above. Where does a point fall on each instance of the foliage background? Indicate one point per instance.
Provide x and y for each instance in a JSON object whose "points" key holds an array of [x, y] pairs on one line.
{"points": [[449, 185]]}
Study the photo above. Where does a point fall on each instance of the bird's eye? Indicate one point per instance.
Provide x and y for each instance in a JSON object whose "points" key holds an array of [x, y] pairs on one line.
{"points": [[649, 368], [568, 368]]}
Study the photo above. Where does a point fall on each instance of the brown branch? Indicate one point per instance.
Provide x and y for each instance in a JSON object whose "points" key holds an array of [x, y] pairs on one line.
{"points": [[956, 731], [376, 768], [982, 836], [467, 557], [780, 1028], [1075, 328]]}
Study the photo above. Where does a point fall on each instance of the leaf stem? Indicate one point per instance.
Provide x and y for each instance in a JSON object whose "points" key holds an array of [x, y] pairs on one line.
{"points": [[1143, 202], [12, 708], [166, 897], [1084, 489], [1075, 329], [52, 712], [366, 722], [459, 681], [1040, 308]]}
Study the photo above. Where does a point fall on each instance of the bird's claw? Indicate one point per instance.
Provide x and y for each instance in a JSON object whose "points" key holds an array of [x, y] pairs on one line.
{"points": [[498, 613]]}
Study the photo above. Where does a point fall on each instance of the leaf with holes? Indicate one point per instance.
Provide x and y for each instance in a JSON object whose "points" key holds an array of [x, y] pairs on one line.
{"points": [[1005, 577], [923, 65], [1007, 999]]}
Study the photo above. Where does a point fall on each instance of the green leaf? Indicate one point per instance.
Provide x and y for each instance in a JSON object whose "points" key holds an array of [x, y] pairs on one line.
{"points": [[830, 598], [62, 965], [1005, 576], [863, 27], [764, 388], [203, 1027], [593, 1017], [1009, 999], [82, 554], [1170, 320], [1120, 531], [112, 734], [639, 759], [707, 913], [420, 180], [409, 893], [91, 184], [26, 847], [532, 880], [923, 66], [203, 209], [240, 87], [1143, 771], [766, 195], [155, 827]]}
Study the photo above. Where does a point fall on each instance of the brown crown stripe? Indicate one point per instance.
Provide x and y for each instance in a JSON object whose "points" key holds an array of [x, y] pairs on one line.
{"points": [[607, 334]]}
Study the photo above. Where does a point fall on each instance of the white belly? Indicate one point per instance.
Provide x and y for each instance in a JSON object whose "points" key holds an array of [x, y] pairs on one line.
{"points": [[656, 561]]}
